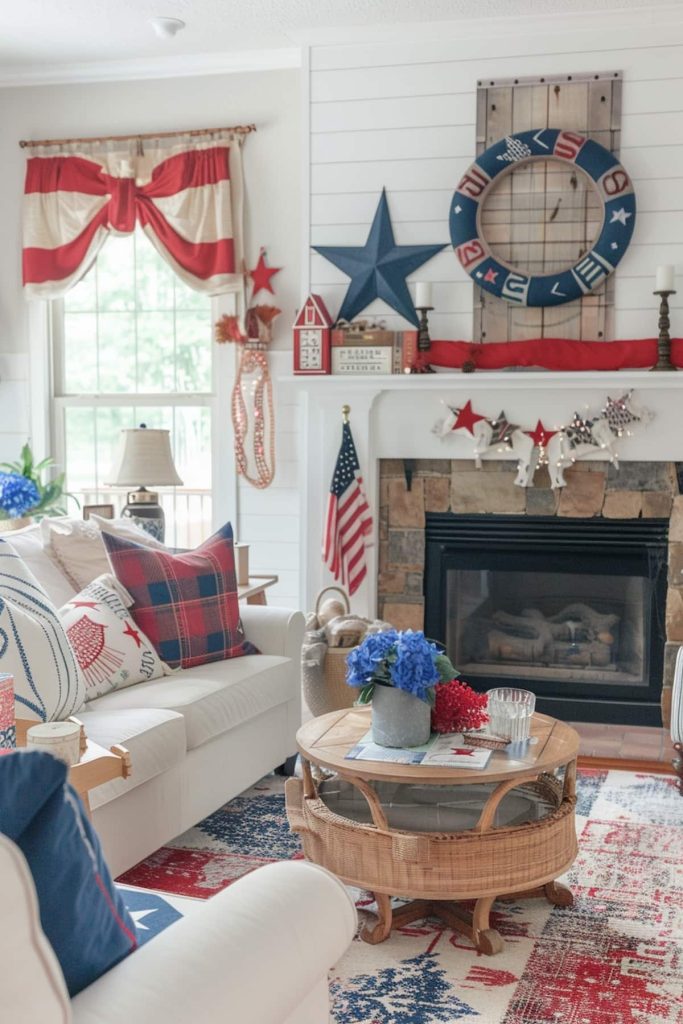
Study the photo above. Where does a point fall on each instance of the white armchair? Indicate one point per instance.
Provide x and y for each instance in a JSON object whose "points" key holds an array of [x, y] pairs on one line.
{"points": [[257, 953], [677, 717]]}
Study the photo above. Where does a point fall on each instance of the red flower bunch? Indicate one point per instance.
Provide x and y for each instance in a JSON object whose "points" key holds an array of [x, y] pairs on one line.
{"points": [[458, 708]]}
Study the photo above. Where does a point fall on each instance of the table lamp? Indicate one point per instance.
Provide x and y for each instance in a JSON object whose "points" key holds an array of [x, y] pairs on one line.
{"points": [[145, 458]]}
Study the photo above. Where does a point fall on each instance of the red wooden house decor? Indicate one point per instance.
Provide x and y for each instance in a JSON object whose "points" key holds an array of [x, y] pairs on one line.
{"points": [[312, 337]]}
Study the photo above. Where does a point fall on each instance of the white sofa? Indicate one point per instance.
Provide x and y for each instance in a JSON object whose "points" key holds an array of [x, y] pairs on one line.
{"points": [[257, 953], [196, 738]]}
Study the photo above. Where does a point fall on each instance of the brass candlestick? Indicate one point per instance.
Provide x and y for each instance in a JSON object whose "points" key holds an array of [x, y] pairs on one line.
{"points": [[423, 342], [664, 339]]}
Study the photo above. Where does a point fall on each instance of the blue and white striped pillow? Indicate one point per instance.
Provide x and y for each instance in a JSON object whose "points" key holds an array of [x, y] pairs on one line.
{"points": [[33, 646]]}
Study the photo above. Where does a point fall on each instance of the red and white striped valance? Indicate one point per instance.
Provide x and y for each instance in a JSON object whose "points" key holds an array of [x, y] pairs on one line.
{"points": [[183, 198]]}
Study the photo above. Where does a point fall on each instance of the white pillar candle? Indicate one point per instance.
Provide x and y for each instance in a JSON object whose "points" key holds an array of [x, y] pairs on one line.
{"points": [[423, 295], [665, 278], [62, 739]]}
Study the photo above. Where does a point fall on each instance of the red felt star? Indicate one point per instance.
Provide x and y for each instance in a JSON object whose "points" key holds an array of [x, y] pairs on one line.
{"points": [[84, 604], [261, 275], [133, 633], [466, 418], [540, 436]]}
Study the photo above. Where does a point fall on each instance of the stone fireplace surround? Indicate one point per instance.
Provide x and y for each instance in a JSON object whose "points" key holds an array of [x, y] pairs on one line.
{"points": [[392, 420]]}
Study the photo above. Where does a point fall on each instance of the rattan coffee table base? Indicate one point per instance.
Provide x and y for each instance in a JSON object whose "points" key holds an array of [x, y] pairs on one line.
{"points": [[438, 870], [475, 926]]}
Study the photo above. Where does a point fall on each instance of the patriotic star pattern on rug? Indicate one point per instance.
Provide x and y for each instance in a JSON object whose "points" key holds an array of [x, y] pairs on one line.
{"points": [[151, 913], [615, 957]]}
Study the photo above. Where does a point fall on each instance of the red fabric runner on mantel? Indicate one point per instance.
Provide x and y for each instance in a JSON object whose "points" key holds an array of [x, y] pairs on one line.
{"points": [[552, 354]]}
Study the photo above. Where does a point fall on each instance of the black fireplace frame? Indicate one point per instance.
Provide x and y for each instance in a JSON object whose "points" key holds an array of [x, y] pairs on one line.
{"points": [[627, 546]]}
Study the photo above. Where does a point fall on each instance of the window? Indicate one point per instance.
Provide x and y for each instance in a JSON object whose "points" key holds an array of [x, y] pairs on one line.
{"points": [[133, 344]]}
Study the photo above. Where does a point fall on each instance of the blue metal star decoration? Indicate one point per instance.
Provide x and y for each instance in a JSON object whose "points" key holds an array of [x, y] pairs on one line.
{"points": [[379, 268]]}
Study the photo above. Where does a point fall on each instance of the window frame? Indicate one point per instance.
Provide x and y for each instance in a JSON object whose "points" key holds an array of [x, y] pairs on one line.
{"points": [[47, 345]]}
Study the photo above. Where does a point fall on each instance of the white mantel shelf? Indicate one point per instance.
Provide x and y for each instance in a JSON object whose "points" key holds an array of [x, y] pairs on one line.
{"points": [[393, 416], [485, 380]]}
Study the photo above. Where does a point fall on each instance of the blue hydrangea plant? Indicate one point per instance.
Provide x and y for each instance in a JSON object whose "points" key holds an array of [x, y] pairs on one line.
{"points": [[405, 659], [22, 491]]}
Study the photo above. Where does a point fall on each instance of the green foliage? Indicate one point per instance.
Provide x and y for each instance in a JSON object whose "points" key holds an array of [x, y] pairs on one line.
{"points": [[365, 695], [444, 667], [51, 491]]}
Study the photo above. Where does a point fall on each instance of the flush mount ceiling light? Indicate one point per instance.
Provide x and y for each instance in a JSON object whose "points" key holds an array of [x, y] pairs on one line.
{"points": [[166, 28]]}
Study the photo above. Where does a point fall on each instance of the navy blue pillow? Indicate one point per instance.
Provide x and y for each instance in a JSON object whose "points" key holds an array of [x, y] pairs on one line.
{"points": [[82, 913]]}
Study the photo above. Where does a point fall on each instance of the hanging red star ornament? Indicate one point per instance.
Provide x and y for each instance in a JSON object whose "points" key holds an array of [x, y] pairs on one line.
{"points": [[261, 275], [466, 418], [540, 436]]}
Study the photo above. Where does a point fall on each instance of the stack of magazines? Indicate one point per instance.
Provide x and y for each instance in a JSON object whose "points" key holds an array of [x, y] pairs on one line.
{"points": [[447, 751]]}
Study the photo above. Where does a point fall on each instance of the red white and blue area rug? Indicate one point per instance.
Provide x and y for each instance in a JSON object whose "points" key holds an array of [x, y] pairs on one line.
{"points": [[615, 957]]}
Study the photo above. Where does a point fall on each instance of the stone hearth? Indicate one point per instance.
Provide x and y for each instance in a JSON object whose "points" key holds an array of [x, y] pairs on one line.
{"points": [[635, 490]]}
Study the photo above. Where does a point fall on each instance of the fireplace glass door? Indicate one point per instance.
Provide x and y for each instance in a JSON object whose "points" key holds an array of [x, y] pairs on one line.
{"points": [[564, 624]]}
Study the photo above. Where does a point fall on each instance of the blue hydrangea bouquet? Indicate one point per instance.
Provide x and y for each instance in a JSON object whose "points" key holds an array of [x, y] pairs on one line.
{"points": [[22, 491], [403, 659]]}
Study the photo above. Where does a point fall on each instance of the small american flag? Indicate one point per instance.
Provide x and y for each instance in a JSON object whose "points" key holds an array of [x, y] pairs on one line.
{"points": [[348, 522]]}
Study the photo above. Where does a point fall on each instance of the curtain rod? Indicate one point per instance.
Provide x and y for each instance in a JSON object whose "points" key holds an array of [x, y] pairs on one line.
{"points": [[240, 129]]}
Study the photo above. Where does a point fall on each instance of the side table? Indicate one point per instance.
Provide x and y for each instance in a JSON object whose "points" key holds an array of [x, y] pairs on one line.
{"points": [[96, 766], [253, 592]]}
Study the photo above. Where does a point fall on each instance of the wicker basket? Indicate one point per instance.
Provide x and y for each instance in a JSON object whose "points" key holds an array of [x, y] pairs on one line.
{"points": [[334, 694], [437, 865]]}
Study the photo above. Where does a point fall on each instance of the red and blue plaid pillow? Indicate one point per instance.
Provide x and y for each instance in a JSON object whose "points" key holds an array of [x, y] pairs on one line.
{"points": [[186, 603]]}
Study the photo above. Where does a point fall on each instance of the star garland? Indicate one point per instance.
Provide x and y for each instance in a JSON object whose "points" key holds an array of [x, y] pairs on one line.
{"points": [[558, 448]]}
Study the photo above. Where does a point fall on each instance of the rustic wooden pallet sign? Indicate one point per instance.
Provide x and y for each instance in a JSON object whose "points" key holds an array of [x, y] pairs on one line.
{"points": [[543, 216]]}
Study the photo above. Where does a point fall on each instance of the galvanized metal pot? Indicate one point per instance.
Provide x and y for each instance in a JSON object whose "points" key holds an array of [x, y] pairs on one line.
{"points": [[398, 718]]}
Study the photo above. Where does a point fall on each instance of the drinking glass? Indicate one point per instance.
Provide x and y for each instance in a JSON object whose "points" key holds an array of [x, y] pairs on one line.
{"points": [[510, 712]]}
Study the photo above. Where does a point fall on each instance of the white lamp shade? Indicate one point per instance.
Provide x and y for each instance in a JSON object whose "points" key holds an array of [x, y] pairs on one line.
{"points": [[144, 458]]}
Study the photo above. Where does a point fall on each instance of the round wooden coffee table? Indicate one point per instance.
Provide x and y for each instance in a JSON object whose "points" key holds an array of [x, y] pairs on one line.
{"points": [[437, 870]]}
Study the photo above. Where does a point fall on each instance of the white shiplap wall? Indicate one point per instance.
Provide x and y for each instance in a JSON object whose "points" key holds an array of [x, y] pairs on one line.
{"points": [[402, 115], [14, 405]]}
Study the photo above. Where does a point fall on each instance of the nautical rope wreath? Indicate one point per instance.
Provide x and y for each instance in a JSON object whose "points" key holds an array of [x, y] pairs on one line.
{"points": [[612, 183]]}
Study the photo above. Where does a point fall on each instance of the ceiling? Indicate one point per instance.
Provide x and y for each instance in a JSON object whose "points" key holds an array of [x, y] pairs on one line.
{"points": [[64, 32]]}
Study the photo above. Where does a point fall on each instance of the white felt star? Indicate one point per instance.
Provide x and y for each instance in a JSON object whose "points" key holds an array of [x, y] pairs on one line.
{"points": [[620, 215], [138, 916]]}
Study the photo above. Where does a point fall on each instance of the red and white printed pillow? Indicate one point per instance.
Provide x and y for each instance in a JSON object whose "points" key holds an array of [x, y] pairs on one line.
{"points": [[110, 648]]}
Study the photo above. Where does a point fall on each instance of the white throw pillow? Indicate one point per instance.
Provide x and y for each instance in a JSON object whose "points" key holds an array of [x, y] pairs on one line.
{"points": [[27, 543], [33, 646], [128, 530], [111, 650], [76, 545]]}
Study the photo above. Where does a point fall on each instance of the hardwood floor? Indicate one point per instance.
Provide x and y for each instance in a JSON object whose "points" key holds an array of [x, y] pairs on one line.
{"points": [[629, 747]]}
